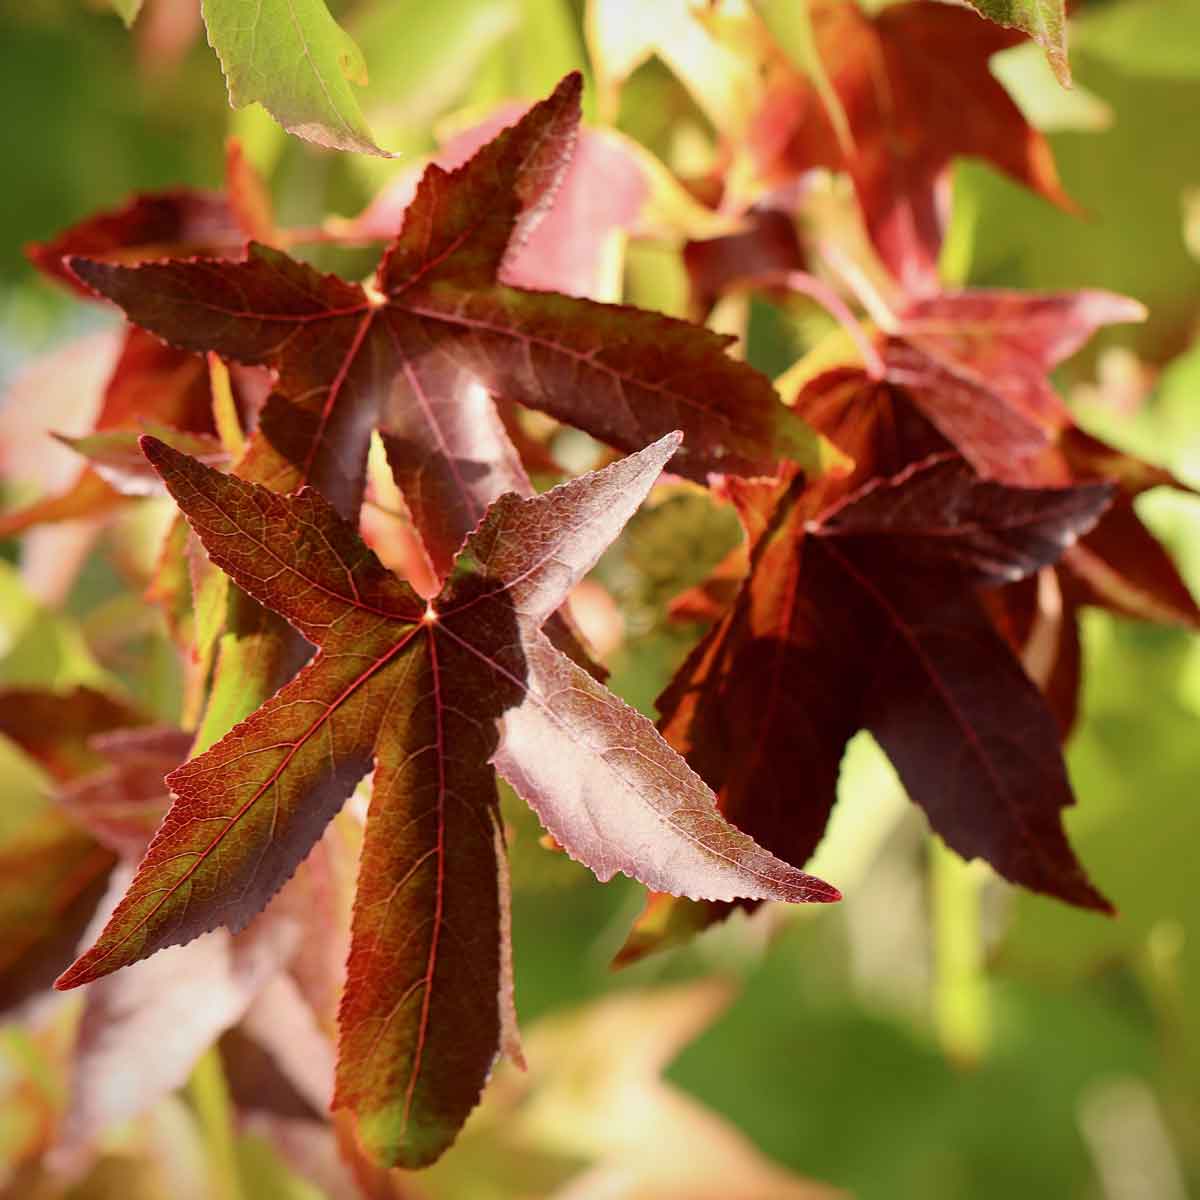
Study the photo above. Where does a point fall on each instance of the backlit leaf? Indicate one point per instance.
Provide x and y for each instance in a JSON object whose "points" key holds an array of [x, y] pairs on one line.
{"points": [[293, 58], [418, 353], [1044, 20], [914, 83], [432, 694]]}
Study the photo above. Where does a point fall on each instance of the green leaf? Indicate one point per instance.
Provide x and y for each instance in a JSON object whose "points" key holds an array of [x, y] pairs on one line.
{"points": [[293, 58], [1044, 20], [127, 10]]}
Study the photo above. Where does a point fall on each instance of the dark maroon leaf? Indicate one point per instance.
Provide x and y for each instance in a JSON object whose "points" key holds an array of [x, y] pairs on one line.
{"points": [[866, 616], [769, 246], [149, 226], [940, 514]]}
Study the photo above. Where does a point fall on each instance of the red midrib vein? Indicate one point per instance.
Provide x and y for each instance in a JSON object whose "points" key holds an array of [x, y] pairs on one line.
{"points": [[247, 584], [439, 898], [331, 397]]}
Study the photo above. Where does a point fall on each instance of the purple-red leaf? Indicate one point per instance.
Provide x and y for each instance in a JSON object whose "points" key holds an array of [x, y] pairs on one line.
{"points": [[417, 354], [974, 364], [122, 803], [1009, 341], [965, 728], [865, 615], [940, 514], [432, 695]]}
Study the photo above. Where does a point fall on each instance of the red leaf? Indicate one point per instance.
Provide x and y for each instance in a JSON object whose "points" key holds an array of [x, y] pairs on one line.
{"points": [[157, 1006], [840, 628], [998, 440], [159, 383], [57, 866], [89, 496], [1089, 458], [153, 225], [566, 248], [417, 354], [56, 729], [916, 89], [1039, 618], [1009, 341], [740, 709], [969, 735], [432, 694], [1123, 567], [54, 877], [123, 802], [768, 246], [249, 199], [974, 364]]}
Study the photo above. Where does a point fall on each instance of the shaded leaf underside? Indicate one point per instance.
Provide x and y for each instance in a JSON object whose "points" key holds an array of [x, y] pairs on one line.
{"points": [[865, 616]]}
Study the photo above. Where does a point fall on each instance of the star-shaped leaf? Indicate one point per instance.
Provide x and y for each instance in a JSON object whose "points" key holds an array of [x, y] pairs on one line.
{"points": [[433, 695], [417, 353], [968, 371], [863, 614]]}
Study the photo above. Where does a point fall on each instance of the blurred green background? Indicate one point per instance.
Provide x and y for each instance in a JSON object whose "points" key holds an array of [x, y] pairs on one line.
{"points": [[1067, 1065]]}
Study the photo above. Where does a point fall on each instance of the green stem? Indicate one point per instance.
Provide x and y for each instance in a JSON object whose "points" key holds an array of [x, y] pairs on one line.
{"points": [[214, 1114], [960, 999]]}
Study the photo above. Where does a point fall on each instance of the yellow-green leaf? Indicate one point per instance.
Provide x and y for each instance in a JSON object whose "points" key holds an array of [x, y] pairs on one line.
{"points": [[293, 58]]}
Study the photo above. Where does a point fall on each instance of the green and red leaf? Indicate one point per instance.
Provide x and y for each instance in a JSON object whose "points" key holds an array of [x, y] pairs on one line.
{"points": [[432, 694]]}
